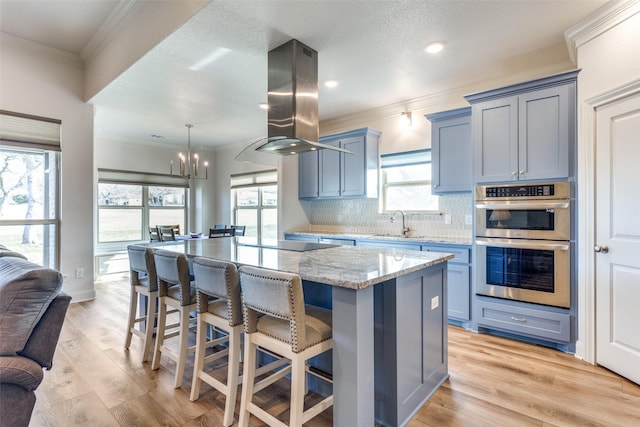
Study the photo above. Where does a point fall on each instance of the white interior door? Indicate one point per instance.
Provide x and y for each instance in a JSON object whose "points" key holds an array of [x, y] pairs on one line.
{"points": [[617, 249]]}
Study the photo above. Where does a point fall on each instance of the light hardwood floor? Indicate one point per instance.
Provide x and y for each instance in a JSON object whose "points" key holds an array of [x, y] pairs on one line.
{"points": [[494, 382]]}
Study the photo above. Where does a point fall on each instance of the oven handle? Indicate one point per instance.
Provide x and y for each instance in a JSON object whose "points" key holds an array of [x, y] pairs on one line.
{"points": [[526, 205], [522, 244]]}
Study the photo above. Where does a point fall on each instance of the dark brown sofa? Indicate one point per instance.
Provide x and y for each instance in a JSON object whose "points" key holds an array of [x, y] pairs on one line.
{"points": [[32, 310]]}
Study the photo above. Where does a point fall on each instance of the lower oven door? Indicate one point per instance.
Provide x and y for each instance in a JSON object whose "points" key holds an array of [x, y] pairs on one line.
{"points": [[536, 271]]}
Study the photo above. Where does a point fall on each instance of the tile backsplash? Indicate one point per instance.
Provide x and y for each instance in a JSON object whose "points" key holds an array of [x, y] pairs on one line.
{"points": [[360, 216]]}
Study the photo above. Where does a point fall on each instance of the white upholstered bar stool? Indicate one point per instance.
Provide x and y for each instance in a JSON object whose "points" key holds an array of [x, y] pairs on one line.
{"points": [[218, 299], [176, 291], [276, 319], [143, 282]]}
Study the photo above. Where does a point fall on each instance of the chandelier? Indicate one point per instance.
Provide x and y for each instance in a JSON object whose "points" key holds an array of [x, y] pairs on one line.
{"points": [[189, 165]]}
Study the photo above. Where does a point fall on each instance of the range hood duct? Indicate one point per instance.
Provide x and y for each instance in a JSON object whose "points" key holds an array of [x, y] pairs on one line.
{"points": [[293, 101]]}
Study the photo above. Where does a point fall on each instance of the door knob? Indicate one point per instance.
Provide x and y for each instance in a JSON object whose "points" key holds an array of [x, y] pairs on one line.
{"points": [[603, 249]]}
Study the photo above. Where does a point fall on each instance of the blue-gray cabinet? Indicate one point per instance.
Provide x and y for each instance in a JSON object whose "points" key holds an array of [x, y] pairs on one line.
{"points": [[529, 320], [459, 280], [525, 131], [308, 175], [451, 151], [334, 174]]}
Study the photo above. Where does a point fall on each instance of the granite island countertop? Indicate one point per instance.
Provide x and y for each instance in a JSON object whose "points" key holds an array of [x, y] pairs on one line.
{"points": [[386, 236], [350, 267]]}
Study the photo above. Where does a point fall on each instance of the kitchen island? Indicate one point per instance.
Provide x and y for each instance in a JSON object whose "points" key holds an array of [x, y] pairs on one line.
{"points": [[389, 318]]}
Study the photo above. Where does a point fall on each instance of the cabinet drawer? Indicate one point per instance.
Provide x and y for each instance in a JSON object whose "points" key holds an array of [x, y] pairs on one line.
{"points": [[343, 242], [461, 252], [394, 245], [535, 323]]}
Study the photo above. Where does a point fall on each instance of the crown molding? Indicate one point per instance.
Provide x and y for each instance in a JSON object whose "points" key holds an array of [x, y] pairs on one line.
{"points": [[597, 23], [109, 28], [42, 51]]}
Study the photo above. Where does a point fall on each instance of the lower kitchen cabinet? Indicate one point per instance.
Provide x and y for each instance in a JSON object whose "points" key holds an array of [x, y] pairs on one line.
{"points": [[547, 324], [458, 280]]}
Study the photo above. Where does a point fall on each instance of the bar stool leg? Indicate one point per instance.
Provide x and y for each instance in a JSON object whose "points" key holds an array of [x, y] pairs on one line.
{"points": [[133, 302], [248, 373], [152, 302], [183, 343], [232, 375], [298, 373], [201, 332], [162, 321]]}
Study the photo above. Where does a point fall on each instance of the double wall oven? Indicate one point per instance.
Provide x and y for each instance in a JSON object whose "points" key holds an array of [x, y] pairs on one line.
{"points": [[523, 242]]}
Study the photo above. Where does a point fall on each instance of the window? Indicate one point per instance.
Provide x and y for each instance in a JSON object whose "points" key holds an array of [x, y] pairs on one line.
{"points": [[255, 203], [130, 202], [406, 182], [29, 186]]}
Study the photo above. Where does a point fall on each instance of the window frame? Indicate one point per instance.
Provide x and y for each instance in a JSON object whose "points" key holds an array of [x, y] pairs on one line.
{"points": [[37, 135], [258, 180], [145, 208], [399, 160]]}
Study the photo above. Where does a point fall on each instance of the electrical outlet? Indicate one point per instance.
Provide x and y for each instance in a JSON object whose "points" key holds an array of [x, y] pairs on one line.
{"points": [[79, 273], [435, 302], [447, 219], [468, 219]]}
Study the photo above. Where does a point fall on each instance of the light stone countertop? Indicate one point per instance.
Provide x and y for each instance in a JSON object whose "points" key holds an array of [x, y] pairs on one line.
{"points": [[388, 237], [350, 267]]}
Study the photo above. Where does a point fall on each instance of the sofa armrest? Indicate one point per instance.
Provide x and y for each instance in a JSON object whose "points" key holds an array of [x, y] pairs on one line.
{"points": [[43, 340]]}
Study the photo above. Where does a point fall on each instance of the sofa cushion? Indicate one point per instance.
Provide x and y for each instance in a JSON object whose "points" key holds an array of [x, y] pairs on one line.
{"points": [[20, 371], [26, 290]]}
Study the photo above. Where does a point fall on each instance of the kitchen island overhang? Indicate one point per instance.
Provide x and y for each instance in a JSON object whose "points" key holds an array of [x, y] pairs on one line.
{"points": [[389, 319]]}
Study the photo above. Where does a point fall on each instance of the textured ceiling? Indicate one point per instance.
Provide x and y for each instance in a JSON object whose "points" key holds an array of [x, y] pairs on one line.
{"points": [[374, 48]]}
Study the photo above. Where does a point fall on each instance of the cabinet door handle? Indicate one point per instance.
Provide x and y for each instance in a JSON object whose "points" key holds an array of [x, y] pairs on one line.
{"points": [[514, 173], [519, 319], [522, 172]]}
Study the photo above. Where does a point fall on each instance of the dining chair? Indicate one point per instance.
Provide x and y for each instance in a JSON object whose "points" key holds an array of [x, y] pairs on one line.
{"points": [[167, 234], [218, 226], [221, 232], [154, 235], [143, 281], [178, 292], [239, 229], [276, 319]]}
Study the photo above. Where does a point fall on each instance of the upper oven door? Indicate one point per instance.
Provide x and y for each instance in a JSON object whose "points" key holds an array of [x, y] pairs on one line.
{"points": [[523, 219]]}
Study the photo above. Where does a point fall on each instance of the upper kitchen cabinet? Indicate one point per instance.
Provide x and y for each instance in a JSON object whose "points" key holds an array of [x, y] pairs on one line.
{"points": [[525, 131], [451, 151], [334, 174]]}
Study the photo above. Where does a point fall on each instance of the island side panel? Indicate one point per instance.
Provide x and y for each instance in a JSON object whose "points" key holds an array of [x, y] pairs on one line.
{"points": [[411, 343], [353, 355]]}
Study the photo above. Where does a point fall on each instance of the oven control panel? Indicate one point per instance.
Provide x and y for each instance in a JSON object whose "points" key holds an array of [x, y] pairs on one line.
{"points": [[549, 190], [521, 191]]}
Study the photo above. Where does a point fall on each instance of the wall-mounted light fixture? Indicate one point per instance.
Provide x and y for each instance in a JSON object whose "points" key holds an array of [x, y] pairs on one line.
{"points": [[405, 120]]}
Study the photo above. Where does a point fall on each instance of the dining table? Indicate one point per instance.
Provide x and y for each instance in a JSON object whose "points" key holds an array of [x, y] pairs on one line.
{"points": [[389, 318]]}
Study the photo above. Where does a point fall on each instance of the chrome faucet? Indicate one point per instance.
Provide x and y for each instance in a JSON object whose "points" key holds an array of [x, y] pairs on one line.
{"points": [[405, 229]]}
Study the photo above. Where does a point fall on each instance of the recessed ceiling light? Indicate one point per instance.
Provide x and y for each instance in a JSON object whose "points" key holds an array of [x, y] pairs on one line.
{"points": [[331, 83], [434, 47], [263, 105]]}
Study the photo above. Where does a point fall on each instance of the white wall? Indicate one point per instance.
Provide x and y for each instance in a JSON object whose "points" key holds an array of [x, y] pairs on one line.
{"points": [[46, 82], [608, 52]]}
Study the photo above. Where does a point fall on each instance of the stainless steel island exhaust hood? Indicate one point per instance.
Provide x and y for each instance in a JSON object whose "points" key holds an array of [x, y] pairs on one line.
{"points": [[293, 101]]}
